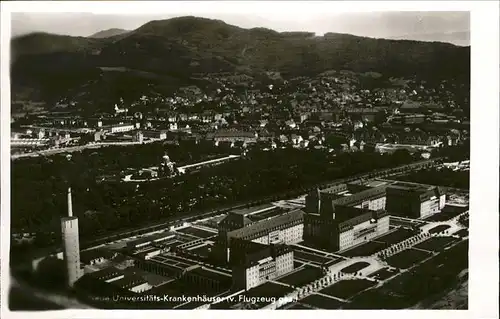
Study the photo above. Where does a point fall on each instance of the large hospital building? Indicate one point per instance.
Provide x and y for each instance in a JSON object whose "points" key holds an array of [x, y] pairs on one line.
{"points": [[349, 214], [339, 221], [414, 200]]}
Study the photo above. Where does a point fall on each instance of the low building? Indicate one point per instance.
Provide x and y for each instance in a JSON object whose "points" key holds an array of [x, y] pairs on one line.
{"points": [[207, 279], [149, 240], [134, 283], [108, 275], [119, 128], [253, 263], [232, 136], [414, 200], [155, 134], [166, 265]]}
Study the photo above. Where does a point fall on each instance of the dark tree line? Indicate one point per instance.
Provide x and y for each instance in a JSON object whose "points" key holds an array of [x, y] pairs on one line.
{"points": [[38, 187]]}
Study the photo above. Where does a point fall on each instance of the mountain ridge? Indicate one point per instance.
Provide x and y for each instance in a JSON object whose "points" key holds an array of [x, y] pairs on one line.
{"points": [[108, 33], [184, 46]]}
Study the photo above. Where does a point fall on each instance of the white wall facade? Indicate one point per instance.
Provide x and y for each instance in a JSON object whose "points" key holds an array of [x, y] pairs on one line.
{"points": [[71, 248], [363, 232], [290, 235], [122, 128], [442, 201], [141, 288], [260, 273], [429, 207]]}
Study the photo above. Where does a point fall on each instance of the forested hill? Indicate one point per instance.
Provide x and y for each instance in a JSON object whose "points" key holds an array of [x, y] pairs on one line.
{"points": [[183, 46]]}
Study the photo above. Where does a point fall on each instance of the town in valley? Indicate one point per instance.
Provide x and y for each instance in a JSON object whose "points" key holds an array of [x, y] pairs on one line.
{"points": [[193, 164]]}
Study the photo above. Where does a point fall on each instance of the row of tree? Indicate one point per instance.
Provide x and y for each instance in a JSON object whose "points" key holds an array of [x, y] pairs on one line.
{"points": [[38, 188]]}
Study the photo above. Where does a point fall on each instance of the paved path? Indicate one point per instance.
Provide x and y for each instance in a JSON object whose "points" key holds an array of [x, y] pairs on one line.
{"points": [[374, 265], [324, 254], [328, 296]]}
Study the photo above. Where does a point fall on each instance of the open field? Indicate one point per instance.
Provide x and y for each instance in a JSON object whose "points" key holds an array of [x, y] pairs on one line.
{"points": [[345, 289], [321, 302], [435, 243], [407, 258], [355, 267], [395, 237], [367, 249], [295, 306], [302, 277], [447, 213], [412, 287], [439, 229], [462, 233], [383, 274]]}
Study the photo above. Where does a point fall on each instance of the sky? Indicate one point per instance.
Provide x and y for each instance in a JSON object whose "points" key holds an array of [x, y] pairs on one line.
{"points": [[445, 26]]}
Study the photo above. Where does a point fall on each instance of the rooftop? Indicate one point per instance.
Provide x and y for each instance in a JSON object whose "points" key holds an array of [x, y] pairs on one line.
{"points": [[361, 196], [129, 281], [247, 252], [268, 224], [106, 273], [210, 274], [344, 213]]}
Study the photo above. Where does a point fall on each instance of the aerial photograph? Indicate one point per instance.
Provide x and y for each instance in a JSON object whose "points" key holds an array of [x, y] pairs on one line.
{"points": [[239, 162]]}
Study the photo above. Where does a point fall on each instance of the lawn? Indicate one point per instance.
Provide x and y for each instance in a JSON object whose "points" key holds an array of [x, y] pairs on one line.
{"points": [[299, 306], [438, 229], [447, 213], [355, 267], [296, 306], [345, 289], [302, 277], [268, 289], [383, 274], [407, 258], [435, 243], [396, 236], [196, 232], [321, 302], [462, 233], [367, 249]]}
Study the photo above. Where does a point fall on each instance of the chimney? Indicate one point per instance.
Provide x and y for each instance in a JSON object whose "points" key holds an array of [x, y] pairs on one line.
{"points": [[70, 204]]}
